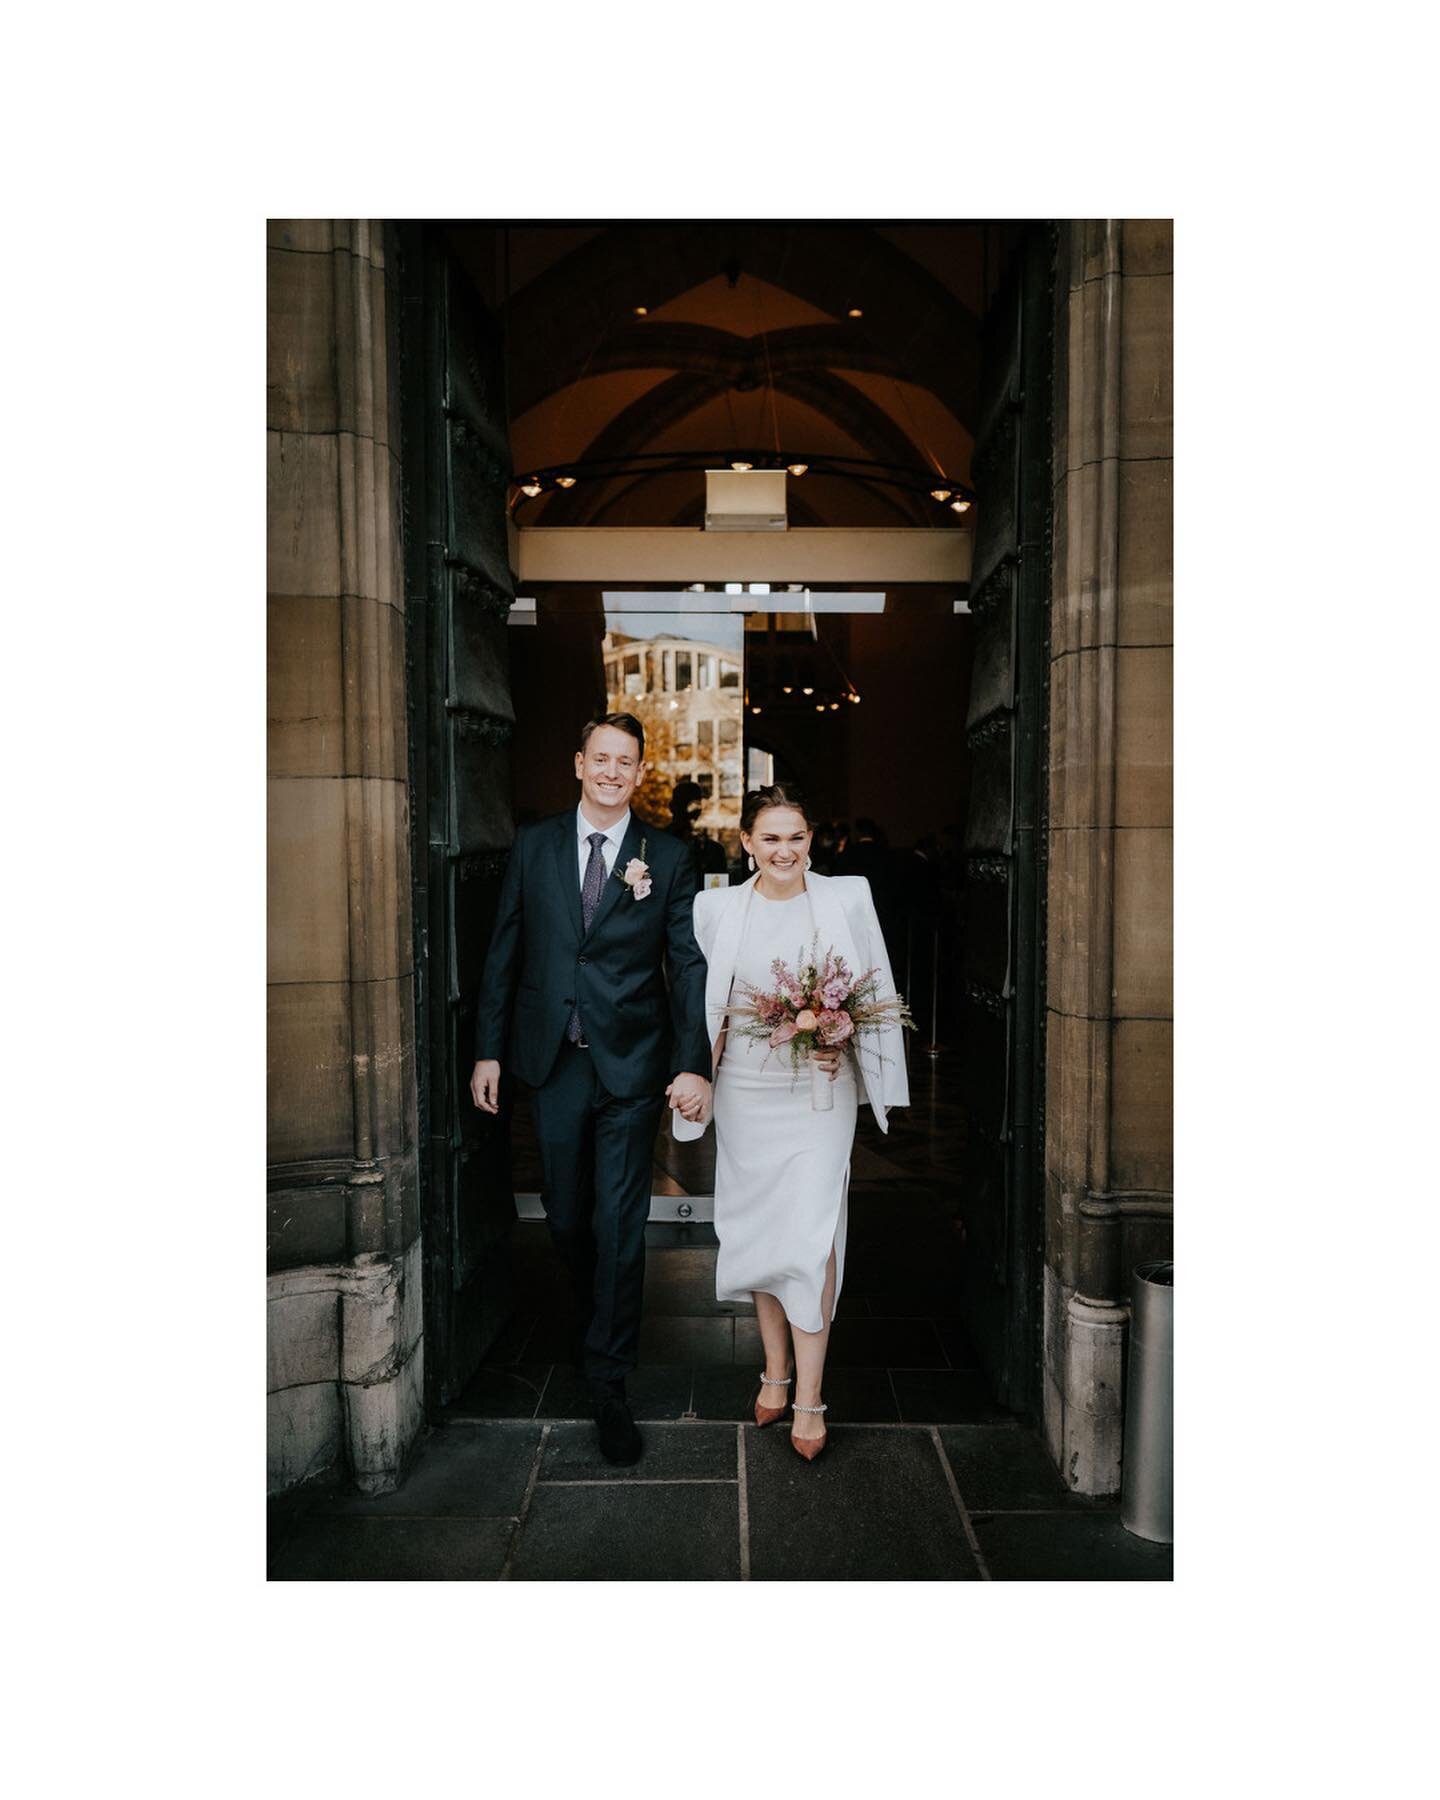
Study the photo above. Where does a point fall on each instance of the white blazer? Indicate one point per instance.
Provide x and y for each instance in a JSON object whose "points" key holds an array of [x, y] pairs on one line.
{"points": [[845, 922]]}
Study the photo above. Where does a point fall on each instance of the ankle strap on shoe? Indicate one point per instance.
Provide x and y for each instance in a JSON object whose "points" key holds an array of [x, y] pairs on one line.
{"points": [[776, 1380], [811, 1409]]}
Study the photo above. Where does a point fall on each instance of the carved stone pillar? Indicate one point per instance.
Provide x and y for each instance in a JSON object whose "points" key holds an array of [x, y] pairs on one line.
{"points": [[1108, 1123], [344, 1313]]}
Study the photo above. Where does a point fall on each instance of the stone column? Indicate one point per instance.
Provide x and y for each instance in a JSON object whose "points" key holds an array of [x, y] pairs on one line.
{"points": [[1108, 1110], [344, 1253]]}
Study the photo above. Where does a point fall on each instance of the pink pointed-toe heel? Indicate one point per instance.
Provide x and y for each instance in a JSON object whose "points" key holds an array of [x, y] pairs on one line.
{"points": [[809, 1448], [767, 1415]]}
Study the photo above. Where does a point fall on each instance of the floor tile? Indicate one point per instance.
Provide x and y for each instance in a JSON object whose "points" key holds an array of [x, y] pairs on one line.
{"points": [[460, 1472], [875, 1506], [625, 1532], [687, 1341], [1005, 1468], [726, 1393], [501, 1393], [681, 1284], [884, 1344], [330, 1548], [673, 1452], [945, 1397], [654, 1391], [1068, 1546]]}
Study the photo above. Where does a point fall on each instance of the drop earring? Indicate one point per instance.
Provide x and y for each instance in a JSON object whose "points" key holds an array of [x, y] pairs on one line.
{"points": [[751, 861]]}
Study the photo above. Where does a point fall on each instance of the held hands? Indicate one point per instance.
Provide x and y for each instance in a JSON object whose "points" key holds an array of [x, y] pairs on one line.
{"points": [[485, 1086], [689, 1095], [828, 1060]]}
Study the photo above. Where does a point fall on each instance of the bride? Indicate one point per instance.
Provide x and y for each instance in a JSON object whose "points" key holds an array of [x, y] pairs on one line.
{"points": [[782, 1166]]}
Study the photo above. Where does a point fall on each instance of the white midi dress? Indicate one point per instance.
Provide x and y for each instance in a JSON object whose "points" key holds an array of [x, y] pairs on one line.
{"points": [[782, 1169]]}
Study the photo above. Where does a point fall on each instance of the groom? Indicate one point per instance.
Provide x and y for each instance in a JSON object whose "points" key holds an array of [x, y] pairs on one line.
{"points": [[594, 913]]}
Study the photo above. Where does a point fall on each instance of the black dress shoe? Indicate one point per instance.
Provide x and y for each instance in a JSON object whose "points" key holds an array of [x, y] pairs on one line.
{"points": [[620, 1442]]}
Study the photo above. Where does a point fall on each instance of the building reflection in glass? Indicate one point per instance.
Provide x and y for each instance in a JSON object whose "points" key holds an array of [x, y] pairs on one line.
{"points": [[686, 687]]}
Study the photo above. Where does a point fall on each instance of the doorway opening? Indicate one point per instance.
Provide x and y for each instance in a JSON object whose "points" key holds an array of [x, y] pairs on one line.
{"points": [[930, 783]]}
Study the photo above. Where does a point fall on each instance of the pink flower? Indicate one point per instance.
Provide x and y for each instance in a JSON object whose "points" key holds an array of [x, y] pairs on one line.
{"points": [[835, 993], [642, 888], [805, 1021], [635, 872], [835, 1027], [782, 1034]]}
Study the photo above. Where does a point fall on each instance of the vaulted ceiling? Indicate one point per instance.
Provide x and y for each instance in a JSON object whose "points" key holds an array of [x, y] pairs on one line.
{"points": [[746, 342]]}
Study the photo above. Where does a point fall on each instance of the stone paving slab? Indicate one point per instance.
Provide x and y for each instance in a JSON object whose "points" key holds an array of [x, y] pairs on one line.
{"points": [[460, 1471], [326, 1547], [1068, 1546], [875, 1506], [1004, 1468], [631, 1531], [676, 1452]]}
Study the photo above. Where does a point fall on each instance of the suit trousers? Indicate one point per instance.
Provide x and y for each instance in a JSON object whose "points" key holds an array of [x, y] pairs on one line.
{"points": [[596, 1157]]}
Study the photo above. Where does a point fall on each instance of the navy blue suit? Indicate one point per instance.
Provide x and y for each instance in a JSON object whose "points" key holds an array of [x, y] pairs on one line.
{"points": [[596, 1108]]}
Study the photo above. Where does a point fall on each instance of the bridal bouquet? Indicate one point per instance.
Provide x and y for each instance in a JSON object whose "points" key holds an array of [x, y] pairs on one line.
{"points": [[820, 1004]]}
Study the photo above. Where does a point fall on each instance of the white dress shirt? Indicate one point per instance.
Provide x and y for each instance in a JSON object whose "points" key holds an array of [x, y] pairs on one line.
{"points": [[610, 849]]}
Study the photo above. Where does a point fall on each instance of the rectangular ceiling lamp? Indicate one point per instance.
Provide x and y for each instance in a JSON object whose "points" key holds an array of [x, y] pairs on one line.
{"points": [[745, 500]]}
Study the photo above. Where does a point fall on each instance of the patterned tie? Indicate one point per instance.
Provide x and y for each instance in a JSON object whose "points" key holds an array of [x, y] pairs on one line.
{"points": [[589, 900]]}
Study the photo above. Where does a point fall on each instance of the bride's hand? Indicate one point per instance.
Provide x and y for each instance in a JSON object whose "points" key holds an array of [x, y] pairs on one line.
{"points": [[829, 1061]]}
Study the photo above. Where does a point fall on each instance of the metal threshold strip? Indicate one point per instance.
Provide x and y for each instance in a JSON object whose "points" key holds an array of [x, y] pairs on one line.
{"points": [[665, 1209]]}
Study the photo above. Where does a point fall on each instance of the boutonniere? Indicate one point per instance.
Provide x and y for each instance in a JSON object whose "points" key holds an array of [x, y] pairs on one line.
{"points": [[636, 874]]}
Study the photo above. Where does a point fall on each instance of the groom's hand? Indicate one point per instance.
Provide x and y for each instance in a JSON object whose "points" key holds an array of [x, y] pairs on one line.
{"points": [[485, 1086], [689, 1095]]}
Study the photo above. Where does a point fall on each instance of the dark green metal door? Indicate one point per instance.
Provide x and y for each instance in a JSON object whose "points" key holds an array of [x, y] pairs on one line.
{"points": [[455, 461], [1003, 951]]}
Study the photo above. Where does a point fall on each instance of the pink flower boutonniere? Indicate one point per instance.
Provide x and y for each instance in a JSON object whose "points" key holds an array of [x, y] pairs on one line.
{"points": [[637, 874]]}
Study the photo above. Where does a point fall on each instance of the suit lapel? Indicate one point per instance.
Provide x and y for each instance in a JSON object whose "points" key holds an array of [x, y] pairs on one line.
{"points": [[614, 886], [568, 865]]}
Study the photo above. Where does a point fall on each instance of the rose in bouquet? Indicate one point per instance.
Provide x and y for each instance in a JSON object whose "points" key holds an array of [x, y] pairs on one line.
{"points": [[821, 1004]]}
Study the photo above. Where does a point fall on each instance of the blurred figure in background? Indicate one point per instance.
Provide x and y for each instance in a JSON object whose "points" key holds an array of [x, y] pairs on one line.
{"points": [[686, 804]]}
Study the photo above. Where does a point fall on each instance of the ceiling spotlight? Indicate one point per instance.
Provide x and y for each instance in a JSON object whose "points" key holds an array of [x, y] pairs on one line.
{"points": [[834, 706], [531, 487], [854, 312], [820, 707], [789, 690], [756, 709], [807, 690], [564, 481], [959, 506], [797, 468], [854, 699], [642, 312], [742, 468], [941, 494]]}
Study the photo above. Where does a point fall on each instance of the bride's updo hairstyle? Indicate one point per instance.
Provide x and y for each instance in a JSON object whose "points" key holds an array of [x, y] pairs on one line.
{"points": [[783, 793]]}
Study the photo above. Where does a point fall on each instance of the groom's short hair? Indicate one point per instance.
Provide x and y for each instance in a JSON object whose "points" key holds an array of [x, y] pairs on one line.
{"points": [[621, 722]]}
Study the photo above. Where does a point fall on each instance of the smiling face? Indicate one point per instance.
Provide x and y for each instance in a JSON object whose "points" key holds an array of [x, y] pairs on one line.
{"points": [[780, 843], [609, 770]]}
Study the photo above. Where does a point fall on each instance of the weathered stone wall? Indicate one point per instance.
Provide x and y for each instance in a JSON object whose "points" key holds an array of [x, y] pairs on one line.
{"points": [[345, 1337], [1108, 1111]]}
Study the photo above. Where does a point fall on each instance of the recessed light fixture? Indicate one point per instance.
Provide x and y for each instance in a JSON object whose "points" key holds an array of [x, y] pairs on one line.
{"points": [[531, 487], [807, 690], [959, 506], [742, 468], [642, 312], [834, 706], [797, 468], [789, 690], [564, 481], [941, 494], [756, 709], [854, 312], [820, 707]]}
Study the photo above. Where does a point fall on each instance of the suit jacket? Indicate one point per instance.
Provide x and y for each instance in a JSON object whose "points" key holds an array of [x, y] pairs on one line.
{"points": [[541, 961], [845, 921]]}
